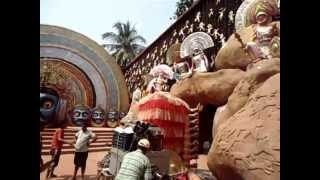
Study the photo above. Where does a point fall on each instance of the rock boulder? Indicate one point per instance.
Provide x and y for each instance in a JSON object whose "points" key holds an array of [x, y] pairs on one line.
{"points": [[247, 145], [208, 88]]}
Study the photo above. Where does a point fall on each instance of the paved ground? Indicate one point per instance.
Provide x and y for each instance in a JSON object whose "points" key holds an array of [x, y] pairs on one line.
{"points": [[65, 168]]}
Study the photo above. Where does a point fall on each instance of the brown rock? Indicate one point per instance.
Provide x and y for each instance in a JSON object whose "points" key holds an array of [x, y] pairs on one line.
{"points": [[208, 88], [247, 145], [218, 116], [252, 80], [232, 54]]}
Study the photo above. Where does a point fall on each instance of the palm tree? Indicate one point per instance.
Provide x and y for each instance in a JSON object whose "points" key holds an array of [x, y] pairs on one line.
{"points": [[124, 44]]}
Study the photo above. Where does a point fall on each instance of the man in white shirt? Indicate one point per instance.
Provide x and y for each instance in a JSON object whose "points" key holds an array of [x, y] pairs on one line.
{"points": [[83, 138]]}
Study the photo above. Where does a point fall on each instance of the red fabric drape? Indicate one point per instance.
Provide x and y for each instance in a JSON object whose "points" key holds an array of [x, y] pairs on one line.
{"points": [[170, 114]]}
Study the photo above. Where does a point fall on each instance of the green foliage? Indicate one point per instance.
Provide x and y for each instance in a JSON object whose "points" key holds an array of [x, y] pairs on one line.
{"points": [[181, 7], [124, 44]]}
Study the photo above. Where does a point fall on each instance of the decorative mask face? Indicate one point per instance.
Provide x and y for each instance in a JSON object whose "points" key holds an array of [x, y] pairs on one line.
{"points": [[98, 116], [80, 115], [263, 18], [48, 107], [112, 115]]}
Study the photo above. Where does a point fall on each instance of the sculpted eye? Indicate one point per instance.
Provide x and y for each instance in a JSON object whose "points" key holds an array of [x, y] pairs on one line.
{"points": [[47, 104], [77, 114], [85, 114]]}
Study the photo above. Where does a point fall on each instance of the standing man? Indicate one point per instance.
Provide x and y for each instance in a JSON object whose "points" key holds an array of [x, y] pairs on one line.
{"points": [[83, 138], [56, 146], [136, 165]]}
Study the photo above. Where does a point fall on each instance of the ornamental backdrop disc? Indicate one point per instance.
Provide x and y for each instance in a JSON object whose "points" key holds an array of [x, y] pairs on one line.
{"points": [[173, 54], [197, 40], [245, 15], [240, 19]]}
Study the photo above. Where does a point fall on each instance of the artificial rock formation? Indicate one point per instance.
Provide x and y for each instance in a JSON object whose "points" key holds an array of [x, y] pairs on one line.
{"points": [[247, 145], [251, 81], [232, 55], [208, 88], [218, 116]]}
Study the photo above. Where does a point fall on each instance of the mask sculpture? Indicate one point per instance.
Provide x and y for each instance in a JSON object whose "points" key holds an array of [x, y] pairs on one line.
{"points": [[112, 119], [80, 115], [98, 117], [48, 107]]}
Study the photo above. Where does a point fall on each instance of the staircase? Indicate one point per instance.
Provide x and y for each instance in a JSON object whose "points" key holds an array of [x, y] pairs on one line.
{"points": [[103, 143]]}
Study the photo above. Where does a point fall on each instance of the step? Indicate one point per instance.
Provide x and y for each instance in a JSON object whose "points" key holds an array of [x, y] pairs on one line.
{"points": [[71, 150], [48, 141], [74, 129], [66, 146], [73, 133], [46, 136], [72, 137]]}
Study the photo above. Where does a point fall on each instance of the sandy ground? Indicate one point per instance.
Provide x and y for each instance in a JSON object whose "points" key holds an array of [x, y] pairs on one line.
{"points": [[66, 167]]}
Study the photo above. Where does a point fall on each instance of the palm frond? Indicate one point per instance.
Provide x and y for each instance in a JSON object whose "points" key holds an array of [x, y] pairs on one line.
{"points": [[139, 38], [124, 43], [138, 47], [109, 36], [112, 47], [119, 27]]}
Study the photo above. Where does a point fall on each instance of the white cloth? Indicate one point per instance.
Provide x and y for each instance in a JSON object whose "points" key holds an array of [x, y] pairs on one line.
{"points": [[127, 130], [83, 139]]}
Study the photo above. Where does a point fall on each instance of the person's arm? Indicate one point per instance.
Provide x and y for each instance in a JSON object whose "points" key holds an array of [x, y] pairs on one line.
{"points": [[148, 172], [75, 138], [61, 139], [93, 138]]}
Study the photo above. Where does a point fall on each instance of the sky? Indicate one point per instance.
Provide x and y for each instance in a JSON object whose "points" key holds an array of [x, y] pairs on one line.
{"points": [[92, 18]]}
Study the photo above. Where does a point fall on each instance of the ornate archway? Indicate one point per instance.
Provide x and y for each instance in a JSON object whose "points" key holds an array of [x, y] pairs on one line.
{"points": [[68, 81], [80, 70]]}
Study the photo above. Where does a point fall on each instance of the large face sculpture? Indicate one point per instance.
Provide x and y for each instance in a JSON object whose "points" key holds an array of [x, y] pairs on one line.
{"points": [[98, 117], [80, 115], [48, 107]]}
